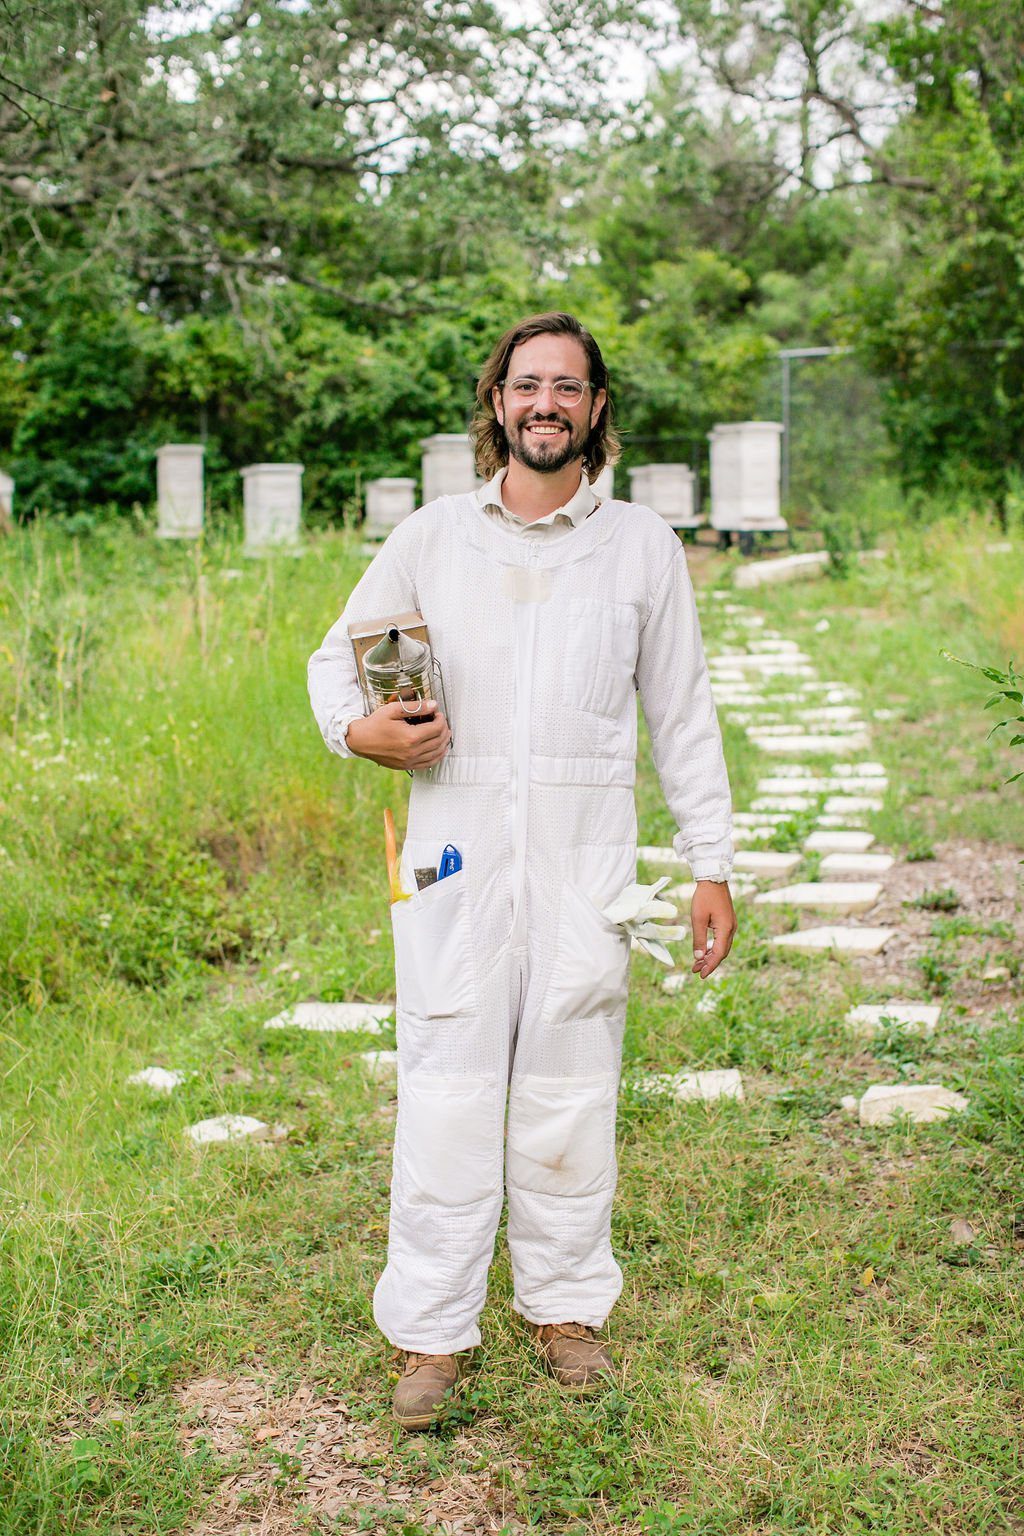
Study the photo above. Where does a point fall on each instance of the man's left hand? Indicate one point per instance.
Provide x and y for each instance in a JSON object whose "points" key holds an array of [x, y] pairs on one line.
{"points": [[713, 919]]}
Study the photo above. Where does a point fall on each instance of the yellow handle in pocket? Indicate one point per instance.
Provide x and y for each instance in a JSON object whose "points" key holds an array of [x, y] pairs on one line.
{"points": [[391, 852]]}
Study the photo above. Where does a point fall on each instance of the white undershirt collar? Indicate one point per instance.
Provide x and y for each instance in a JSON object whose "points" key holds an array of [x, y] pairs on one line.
{"points": [[576, 510]]}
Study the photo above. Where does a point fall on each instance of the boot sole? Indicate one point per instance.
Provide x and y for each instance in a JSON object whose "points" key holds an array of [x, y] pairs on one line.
{"points": [[428, 1419], [421, 1421]]}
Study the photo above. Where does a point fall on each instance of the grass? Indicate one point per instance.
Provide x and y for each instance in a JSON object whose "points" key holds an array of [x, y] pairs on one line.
{"points": [[803, 1348]]}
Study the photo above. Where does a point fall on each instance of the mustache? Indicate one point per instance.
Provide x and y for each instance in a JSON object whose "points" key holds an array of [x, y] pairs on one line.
{"points": [[547, 421]]}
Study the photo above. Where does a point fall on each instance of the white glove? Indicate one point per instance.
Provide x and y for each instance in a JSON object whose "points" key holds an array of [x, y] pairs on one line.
{"points": [[633, 910]]}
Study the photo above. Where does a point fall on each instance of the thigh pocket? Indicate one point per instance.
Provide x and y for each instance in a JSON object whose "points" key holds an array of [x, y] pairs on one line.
{"points": [[590, 975], [601, 641], [561, 1134], [448, 1138], [433, 955]]}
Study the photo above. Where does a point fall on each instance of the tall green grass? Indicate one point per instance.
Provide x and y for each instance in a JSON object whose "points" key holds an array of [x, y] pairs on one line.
{"points": [[181, 859]]}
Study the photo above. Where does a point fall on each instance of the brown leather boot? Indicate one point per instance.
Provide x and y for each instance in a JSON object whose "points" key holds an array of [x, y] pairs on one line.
{"points": [[425, 1390], [575, 1358]]}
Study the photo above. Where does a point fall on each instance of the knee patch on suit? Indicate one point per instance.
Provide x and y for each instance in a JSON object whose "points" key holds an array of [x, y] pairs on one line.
{"points": [[561, 1134], [447, 1145]]}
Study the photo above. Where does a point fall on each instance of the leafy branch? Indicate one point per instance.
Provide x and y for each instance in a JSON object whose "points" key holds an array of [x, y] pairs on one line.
{"points": [[1009, 690]]}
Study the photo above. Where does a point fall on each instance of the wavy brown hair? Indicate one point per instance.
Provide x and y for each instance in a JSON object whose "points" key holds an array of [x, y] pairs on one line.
{"points": [[489, 441]]}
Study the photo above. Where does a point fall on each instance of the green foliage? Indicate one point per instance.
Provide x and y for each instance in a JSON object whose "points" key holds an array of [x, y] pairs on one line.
{"points": [[216, 226], [1008, 692]]}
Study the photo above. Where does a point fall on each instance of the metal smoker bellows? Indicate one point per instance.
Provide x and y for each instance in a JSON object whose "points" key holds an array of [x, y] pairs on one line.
{"points": [[401, 669]]}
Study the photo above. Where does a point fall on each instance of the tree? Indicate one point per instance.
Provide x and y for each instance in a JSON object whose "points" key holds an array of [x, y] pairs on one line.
{"points": [[205, 155]]}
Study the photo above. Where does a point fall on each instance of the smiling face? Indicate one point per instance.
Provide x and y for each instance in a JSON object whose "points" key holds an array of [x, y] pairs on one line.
{"points": [[543, 434]]}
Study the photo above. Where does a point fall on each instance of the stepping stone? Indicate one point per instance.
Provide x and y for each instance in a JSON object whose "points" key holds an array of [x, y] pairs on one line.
{"points": [[688, 1087], [158, 1078], [919, 1101], [809, 786], [853, 786], [791, 727], [830, 712], [790, 803], [786, 785], [915, 1016], [837, 895], [648, 855], [380, 1063], [755, 819], [675, 981], [742, 884], [766, 862], [840, 821], [233, 1128], [857, 863], [792, 771], [836, 940], [845, 805], [334, 1018], [859, 770], [812, 745], [754, 662], [769, 645], [743, 835], [786, 568], [708, 1002], [838, 842]]}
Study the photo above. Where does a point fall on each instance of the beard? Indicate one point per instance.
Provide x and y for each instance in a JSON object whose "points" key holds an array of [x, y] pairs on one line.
{"points": [[546, 455]]}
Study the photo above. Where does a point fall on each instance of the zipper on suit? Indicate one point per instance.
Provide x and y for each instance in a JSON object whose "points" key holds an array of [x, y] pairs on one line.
{"points": [[526, 635]]}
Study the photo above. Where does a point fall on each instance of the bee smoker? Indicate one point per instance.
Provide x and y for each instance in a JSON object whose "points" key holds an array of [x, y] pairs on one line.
{"points": [[401, 669]]}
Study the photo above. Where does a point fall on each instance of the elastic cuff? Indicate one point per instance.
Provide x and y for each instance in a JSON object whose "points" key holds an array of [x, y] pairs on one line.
{"points": [[337, 729], [435, 1345], [718, 870]]}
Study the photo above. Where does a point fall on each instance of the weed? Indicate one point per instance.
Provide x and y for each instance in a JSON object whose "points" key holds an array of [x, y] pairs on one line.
{"points": [[895, 1045], [288, 1464], [964, 927], [945, 900], [937, 971]]}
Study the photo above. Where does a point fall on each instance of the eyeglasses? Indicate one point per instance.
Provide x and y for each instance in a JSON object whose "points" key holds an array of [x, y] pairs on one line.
{"points": [[565, 391]]}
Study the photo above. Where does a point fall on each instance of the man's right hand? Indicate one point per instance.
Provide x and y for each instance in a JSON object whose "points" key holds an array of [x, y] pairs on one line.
{"points": [[387, 738]]}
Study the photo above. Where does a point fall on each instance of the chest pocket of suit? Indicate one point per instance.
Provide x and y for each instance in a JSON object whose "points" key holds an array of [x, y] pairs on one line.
{"points": [[599, 656]]}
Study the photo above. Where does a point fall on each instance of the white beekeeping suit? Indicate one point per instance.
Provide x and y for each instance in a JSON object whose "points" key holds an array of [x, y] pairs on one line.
{"points": [[510, 981]]}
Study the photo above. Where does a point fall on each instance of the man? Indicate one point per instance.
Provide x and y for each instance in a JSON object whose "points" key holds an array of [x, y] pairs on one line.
{"points": [[547, 611]]}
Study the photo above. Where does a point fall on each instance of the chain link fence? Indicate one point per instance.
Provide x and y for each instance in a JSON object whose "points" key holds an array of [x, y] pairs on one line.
{"points": [[835, 451]]}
